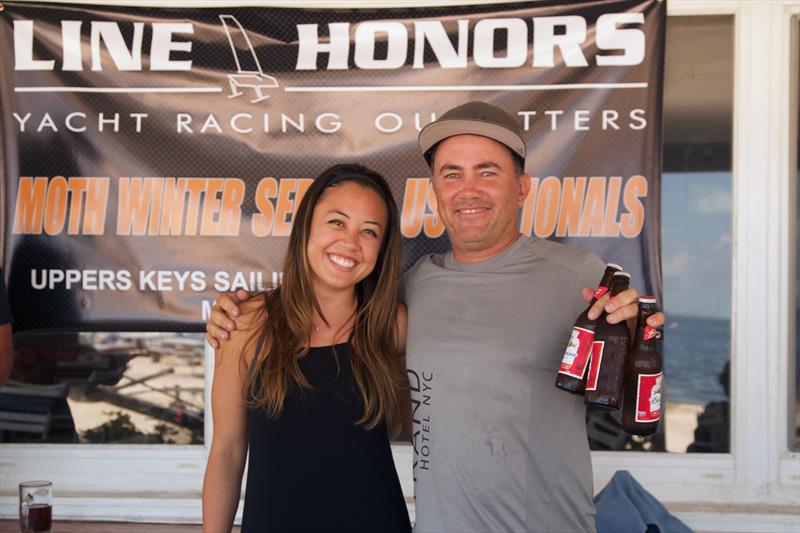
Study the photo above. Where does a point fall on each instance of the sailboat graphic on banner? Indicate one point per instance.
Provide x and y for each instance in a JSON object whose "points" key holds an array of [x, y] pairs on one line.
{"points": [[245, 78]]}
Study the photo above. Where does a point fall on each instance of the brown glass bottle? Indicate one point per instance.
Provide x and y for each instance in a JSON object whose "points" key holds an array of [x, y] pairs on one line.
{"points": [[604, 378], [644, 374], [572, 372]]}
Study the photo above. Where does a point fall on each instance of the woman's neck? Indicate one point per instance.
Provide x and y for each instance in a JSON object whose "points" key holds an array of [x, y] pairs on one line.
{"points": [[335, 304], [336, 321]]}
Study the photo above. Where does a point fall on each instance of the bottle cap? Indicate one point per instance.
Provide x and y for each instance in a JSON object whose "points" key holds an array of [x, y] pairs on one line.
{"points": [[614, 265], [622, 274]]}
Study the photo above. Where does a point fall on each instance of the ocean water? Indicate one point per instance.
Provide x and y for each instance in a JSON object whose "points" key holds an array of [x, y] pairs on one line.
{"points": [[695, 351]]}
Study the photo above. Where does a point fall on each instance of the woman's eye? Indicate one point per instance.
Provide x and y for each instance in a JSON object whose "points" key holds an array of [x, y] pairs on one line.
{"points": [[371, 232], [336, 222]]}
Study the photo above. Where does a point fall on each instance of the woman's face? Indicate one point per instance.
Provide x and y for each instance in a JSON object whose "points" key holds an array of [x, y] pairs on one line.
{"points": [[345, 238]]}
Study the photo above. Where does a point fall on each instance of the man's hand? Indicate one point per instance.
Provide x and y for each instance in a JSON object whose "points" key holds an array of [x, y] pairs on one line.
{"points": [[624, 306], [220, 324]]}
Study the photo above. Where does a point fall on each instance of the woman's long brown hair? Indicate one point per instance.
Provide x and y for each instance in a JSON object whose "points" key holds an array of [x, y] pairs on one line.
{"points": [[290, 308]]}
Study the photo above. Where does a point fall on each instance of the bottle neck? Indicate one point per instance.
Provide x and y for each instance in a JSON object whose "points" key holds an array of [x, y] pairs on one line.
{"points": [[620, 285], [605, 285], [645, 335]]}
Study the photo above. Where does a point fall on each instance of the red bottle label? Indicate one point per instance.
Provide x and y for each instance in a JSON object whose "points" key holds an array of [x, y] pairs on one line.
{"points": [[577, 353], [650, 333], [648, 397], [595, 360], [599, 292]]}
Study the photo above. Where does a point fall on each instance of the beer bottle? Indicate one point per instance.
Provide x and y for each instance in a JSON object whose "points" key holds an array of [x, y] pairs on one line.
{"points": [[604, 380], [641, 406], [572, 371]]}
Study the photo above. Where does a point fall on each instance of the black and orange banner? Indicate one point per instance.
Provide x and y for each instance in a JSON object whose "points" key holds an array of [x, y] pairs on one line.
{"points": [[153, 157]]}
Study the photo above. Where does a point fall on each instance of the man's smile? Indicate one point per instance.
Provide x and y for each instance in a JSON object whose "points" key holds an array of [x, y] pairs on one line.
{"points": [[472, 210]]}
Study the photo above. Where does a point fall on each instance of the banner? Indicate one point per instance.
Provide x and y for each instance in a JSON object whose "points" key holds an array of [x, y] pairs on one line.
{"points": [[153, 157]]}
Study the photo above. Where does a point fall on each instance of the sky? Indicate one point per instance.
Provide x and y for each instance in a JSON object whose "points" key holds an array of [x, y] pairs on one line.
{"points": [[696, 229]]}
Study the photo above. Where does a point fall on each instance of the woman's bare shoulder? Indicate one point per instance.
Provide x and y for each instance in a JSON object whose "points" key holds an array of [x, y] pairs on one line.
{"points": [[253, 314]]}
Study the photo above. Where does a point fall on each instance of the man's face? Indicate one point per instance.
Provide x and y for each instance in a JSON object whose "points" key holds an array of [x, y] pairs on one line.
{"points": [[478, 195]]}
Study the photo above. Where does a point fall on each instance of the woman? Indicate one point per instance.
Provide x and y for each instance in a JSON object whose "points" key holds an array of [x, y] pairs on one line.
{"points": [[312, 380]]}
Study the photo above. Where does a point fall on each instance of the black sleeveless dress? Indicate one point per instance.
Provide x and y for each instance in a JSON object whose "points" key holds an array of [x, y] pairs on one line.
{"points": [[313, 469]]}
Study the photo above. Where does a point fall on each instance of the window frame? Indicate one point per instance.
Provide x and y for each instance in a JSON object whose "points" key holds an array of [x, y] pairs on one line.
{"points": [[760, 470]]}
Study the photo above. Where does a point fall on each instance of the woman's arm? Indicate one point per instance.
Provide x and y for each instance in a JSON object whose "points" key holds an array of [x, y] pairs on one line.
{"points": [[222, 485]]}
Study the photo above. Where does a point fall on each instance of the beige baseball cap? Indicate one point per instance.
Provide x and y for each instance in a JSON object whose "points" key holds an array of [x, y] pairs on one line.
{"points": [[474, 118]]}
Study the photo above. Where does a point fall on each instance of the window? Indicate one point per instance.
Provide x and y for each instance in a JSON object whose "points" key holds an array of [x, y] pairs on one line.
{"points": [[105, 388], [696, 218], [696, 228]]}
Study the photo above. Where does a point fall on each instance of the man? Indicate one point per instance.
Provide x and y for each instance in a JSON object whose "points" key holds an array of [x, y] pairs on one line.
{"points": [[497, 446]]}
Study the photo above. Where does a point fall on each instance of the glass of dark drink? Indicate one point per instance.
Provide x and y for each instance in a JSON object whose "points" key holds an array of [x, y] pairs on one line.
{"points": [[36, 507]]}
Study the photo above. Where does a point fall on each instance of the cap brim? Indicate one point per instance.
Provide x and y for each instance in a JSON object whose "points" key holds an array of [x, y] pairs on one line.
{"points": [[442, 129]]}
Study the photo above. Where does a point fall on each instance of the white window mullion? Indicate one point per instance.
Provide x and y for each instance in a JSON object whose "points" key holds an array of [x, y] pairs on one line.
{"points": [[763, 199], [755, 301]]}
